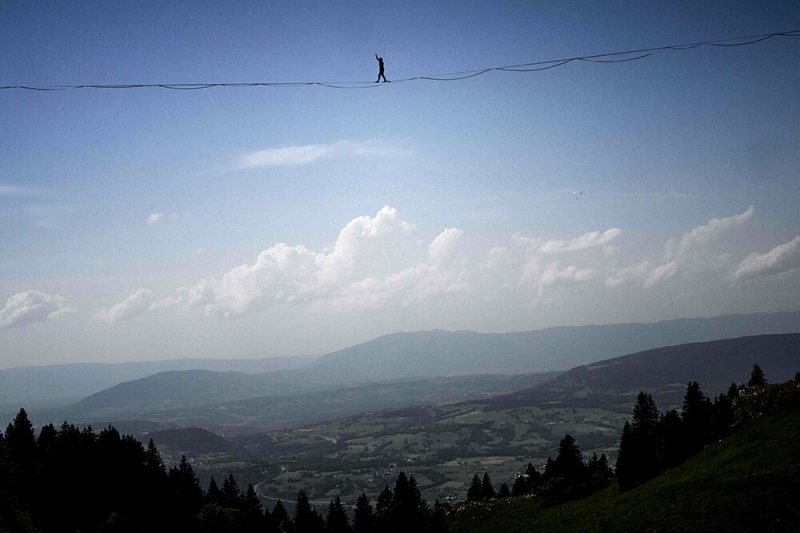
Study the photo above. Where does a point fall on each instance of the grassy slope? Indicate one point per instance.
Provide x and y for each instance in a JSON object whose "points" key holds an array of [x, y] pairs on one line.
{"points": [[749, 481]]}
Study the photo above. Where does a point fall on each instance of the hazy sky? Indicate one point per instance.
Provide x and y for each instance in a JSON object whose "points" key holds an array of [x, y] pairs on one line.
{"points": [[148, 223]]}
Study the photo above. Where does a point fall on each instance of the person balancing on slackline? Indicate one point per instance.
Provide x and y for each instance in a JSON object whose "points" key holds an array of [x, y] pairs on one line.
{"points": [[380, 67]]}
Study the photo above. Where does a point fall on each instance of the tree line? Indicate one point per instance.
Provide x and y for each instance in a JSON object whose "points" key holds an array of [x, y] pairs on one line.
{"points": [[653, 442], [70, 479]]}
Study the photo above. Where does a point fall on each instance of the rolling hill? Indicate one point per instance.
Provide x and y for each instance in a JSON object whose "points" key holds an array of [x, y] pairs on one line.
{"points": [[664, 372], [53, 385]]}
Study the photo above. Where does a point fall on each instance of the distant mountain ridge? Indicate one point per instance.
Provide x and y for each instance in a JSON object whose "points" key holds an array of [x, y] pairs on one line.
{"points": [[39, 384], [665, 372], [453, 353], [401, 355]]}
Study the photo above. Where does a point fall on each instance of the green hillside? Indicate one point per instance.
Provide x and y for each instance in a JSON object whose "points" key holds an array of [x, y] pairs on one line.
{"points": [[749, 481]]}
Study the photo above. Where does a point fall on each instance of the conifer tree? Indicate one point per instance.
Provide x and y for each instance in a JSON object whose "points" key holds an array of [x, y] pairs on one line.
{"points": [[383, 509], [254, 516], [213, 493], [644, 429], [336, 520], [520, 486], [154, 464], [696, 416], [503, 492], [568, 463], [231, 495], [187, 495], [20, 443], [306, 518], [671, 443], [534, 478], [757, 379], [363, 519], [408, 510], [280, 516], [487, 489], [475, 491], [598, 473]]}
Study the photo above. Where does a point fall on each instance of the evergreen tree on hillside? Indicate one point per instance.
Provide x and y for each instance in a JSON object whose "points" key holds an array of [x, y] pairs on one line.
{"points": [[213, 493], [757, 379], [187, 496], [383, 509], [671, 443], [475, 491], [20, 443], [637, 460], [565, 477], [626, 470], [336, 520], [487, 490], [503, 491], [696, 416], [280, 516], [599, 475], [254, 516], [363, 520], [520, 486], [306, 518], [231, 495], [408, 511]]}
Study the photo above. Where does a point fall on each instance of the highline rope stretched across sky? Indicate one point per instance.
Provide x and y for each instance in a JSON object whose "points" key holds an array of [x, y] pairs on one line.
{"points": [[536, 66]]}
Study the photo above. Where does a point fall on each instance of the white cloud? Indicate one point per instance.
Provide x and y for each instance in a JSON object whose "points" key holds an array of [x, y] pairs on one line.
{"points": [[587, 240], [153, 218], [660, 273], [545, 275], [693, 253], [32, 306], [632, 274], [302, 155], [134, 305], [700, 236], [443, 246], [375, 261], [533, 268], [780, 259], [170, 301]]}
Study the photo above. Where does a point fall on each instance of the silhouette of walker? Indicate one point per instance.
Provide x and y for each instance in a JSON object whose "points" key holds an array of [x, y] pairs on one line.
{"points": [[380, 67]]}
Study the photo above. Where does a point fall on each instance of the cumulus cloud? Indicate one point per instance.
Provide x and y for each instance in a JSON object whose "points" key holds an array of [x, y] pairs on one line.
{"points": [[170, 301], [541, 275], [443, 246], [305, 154], [587, 240], [632, 274], [134, 305], [692, 253], [153, 218], [533, 264], [659, 273], [782, 258], [375, 261], [700, 236], [32, 306]]}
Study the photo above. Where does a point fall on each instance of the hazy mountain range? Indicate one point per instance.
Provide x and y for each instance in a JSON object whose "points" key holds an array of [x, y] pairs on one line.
{"points": [[398, 355]]}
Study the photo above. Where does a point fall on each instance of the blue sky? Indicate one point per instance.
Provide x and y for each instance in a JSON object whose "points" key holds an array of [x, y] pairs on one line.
{"points": [[148, 223]]}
